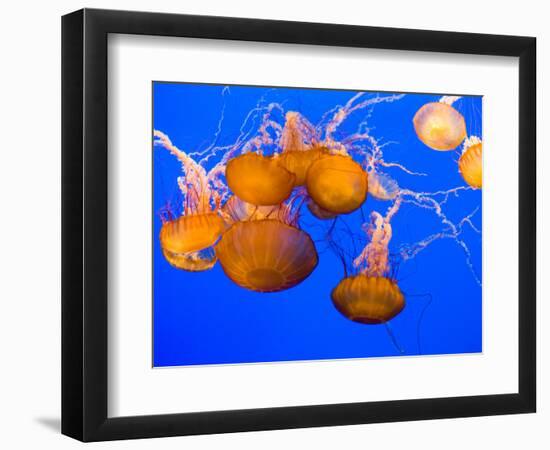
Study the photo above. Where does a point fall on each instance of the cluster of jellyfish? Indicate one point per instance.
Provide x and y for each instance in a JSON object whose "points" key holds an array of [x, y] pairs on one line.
{"points": [[244, 212]]}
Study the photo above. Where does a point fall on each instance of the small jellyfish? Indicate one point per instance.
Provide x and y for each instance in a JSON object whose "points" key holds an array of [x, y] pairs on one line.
{"points": [[439, 126], [368, 300], [259, 179], [337, 184], [266, 255], [470, 162], [382, 187]]}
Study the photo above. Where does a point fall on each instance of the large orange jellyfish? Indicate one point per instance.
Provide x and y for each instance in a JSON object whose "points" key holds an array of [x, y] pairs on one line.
{"points": [[337, 184], [439, 126], [470, 162], [258, 179], [371, 296], [187, 240], [299, 146], [266, 255]]}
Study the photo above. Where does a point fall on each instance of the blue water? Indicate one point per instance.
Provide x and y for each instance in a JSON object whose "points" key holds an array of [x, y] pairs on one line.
{"points": [[204, 318]]}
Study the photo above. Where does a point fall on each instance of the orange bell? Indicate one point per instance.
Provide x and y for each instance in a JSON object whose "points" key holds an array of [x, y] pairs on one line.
{"points": [[258, 179], [470, 165], [192, 262], [368, 300], [337, 184], [266, 255], [191, 233]]}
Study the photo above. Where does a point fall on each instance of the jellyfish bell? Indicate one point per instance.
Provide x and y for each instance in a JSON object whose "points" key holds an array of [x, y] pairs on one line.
{"points": [[187, 241], [266, 255], [191, 233], [337, 184], [439, 126], [368, 300], [259, 179], [192, 262], [470, 163], [382, 187]]}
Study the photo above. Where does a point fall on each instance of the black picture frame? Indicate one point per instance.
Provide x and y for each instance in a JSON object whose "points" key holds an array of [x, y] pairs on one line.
{"points": [[84, 224]]}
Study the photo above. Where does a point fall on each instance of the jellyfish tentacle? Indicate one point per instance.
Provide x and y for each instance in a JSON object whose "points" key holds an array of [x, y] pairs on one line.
{"points": [[393, 338]]}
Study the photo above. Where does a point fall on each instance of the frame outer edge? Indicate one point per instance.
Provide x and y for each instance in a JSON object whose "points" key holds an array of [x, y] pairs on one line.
{"points": [[527, 211], [95, 227], [72, 321]]}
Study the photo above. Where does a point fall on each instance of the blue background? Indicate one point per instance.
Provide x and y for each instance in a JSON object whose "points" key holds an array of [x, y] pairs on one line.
{"points": [[204, 318]]}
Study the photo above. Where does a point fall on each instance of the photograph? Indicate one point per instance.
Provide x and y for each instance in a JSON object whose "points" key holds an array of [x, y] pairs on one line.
{"points": [[305, 224]]}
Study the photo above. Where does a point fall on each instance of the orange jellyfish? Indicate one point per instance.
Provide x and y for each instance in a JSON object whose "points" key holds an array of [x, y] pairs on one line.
{"points": [[192, 262], [337, 184], [258, 179], [266, 255], [191, 233], [439, 126], [470, 162], [371, 296], [187, 240], [368, 300], [299, 148]]}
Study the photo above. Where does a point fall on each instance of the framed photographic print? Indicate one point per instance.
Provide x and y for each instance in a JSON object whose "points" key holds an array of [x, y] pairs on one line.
{"points": [[276, 225]]}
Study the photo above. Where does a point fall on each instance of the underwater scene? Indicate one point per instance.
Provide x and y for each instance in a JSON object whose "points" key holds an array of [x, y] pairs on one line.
{"points": [[300, 224]]}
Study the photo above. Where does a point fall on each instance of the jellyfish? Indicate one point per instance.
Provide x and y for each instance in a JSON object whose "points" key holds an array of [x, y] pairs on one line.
{"points": [[259, 180], [187, 240], [193, 261], [266, 255], [382, 187], [368, 300], [299, 146], [470, 162], [371, 296], [191, 233], [337, 184], [440, 126]]}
